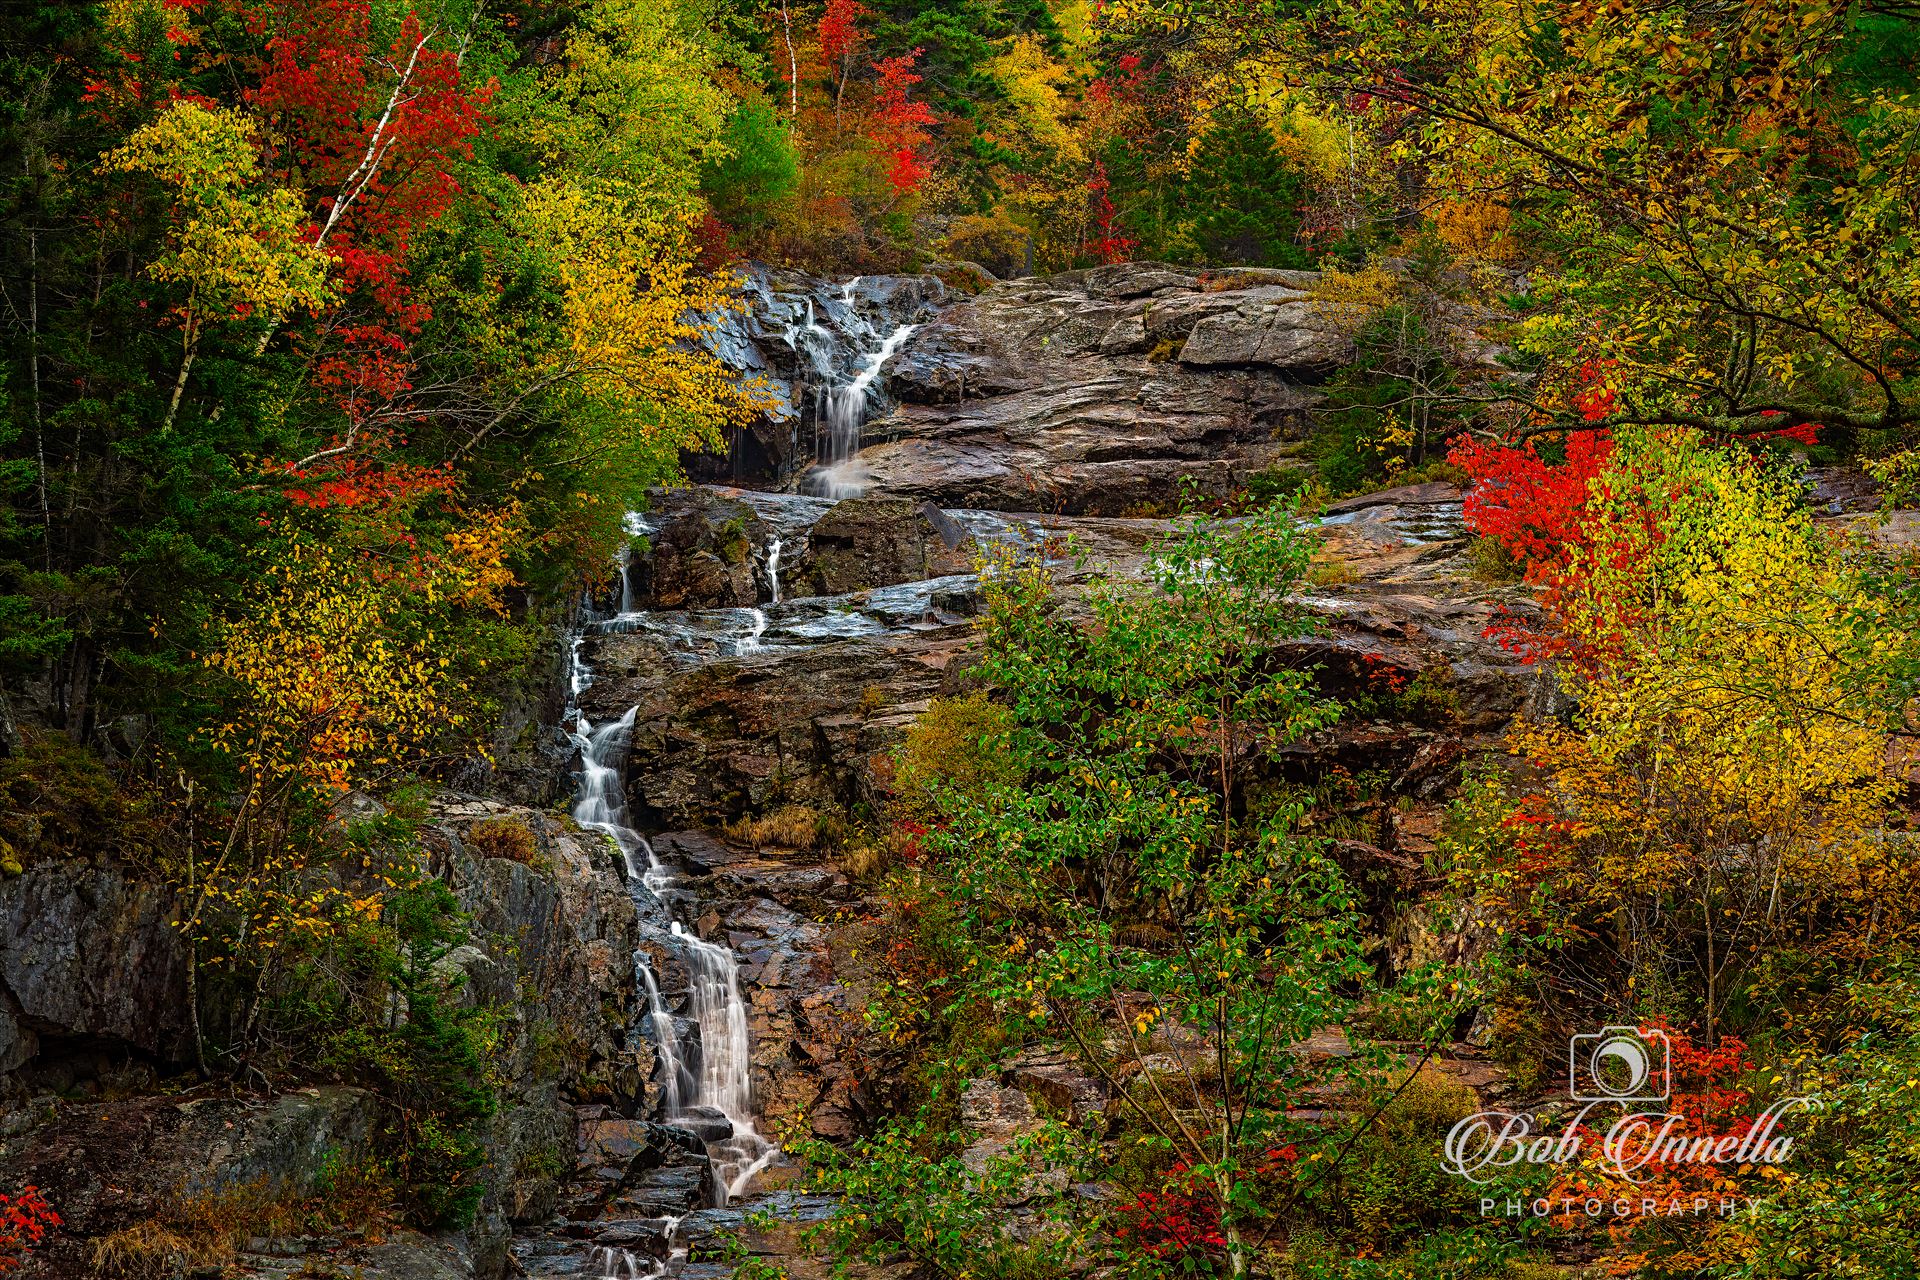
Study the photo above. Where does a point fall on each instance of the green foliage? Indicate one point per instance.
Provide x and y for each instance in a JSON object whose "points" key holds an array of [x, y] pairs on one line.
{"points": [[1243, 195], [57, 800], [915, 1195], [1108, 889], [761, 172], [957, 745], [1848, 1208], [1387, 409], [1393, 1183], [371, 1000]]}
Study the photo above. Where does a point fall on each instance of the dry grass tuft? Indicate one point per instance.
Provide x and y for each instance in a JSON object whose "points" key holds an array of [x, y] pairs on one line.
{"points": [[793, 826]]}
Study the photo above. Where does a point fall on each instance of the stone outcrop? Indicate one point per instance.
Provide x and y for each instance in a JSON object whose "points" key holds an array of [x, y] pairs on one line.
{"points": [[1089, 397], [701, 547], [1091, 392], [782, 725], [109, 1165], [1101, 392], [554, 950], [96, 978], [91, 975]]}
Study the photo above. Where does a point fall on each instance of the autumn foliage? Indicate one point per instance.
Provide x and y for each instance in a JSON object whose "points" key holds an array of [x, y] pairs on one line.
{"points": [[25, 1220], [900, 122]]}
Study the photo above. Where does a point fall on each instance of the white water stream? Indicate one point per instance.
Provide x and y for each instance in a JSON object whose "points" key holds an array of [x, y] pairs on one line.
{"points": [[703, 1068], [843, 476]]}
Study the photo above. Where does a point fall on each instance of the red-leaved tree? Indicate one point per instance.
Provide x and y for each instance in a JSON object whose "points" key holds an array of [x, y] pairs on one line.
{"points": [[900, 123], [840, 38], [377, 134]]}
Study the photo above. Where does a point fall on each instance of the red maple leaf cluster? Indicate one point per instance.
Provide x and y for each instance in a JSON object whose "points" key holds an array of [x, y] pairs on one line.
{"points": [[1181, 1221], [1534, 508], [347, 482], [839, 32], [1109, 243], [379, 134]]}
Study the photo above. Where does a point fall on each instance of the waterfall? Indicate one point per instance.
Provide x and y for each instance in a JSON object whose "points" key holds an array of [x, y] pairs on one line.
{"points": [[666, 1036], [725, 1058], [847, 413], [618, 1264], [626, 581], [704, 1071], [601, 803], [773, 567], [750, 642]]}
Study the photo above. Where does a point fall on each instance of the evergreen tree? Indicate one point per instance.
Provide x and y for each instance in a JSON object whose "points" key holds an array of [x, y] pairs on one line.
{"points": [[1244, 195], [747, 188]]}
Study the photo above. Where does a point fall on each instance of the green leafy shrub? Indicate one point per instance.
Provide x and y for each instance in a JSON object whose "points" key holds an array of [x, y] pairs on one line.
{"points": [[374, 1004], [1392, 1181]]}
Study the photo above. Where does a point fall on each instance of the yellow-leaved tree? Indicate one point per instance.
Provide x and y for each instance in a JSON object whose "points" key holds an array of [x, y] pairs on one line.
{"points": [[236, 245], [349, 664], [1723, 793]]}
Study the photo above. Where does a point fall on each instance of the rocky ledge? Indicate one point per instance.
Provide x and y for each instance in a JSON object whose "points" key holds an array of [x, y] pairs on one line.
{"points": [[1094, 392]]}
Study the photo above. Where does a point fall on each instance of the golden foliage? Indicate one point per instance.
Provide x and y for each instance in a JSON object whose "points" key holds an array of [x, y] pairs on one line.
{"points": [[1475, 226], [636, 308], [236, 246], [1729, 771], [955, 744], [793, 826], [1347, 299], [338, 675]]}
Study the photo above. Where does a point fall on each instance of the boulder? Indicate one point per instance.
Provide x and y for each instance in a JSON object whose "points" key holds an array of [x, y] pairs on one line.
{"points": [[1050, 1074], [701, 552], [553, 951], [876, 542], [1288, 335]]}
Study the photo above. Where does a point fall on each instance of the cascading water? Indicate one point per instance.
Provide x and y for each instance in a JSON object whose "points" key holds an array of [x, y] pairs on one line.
{"points": [[666, 1037], [726, 1048], [773, 568], [842, 476], [618, 1264], [600, 804], [705, 1060]]}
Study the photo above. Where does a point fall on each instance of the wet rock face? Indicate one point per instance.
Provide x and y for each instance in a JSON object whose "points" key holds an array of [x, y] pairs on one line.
{"points": [[1091, 392], [798, 335], [786, 725], [701, 553], [554, 944], [1102, 392]]}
